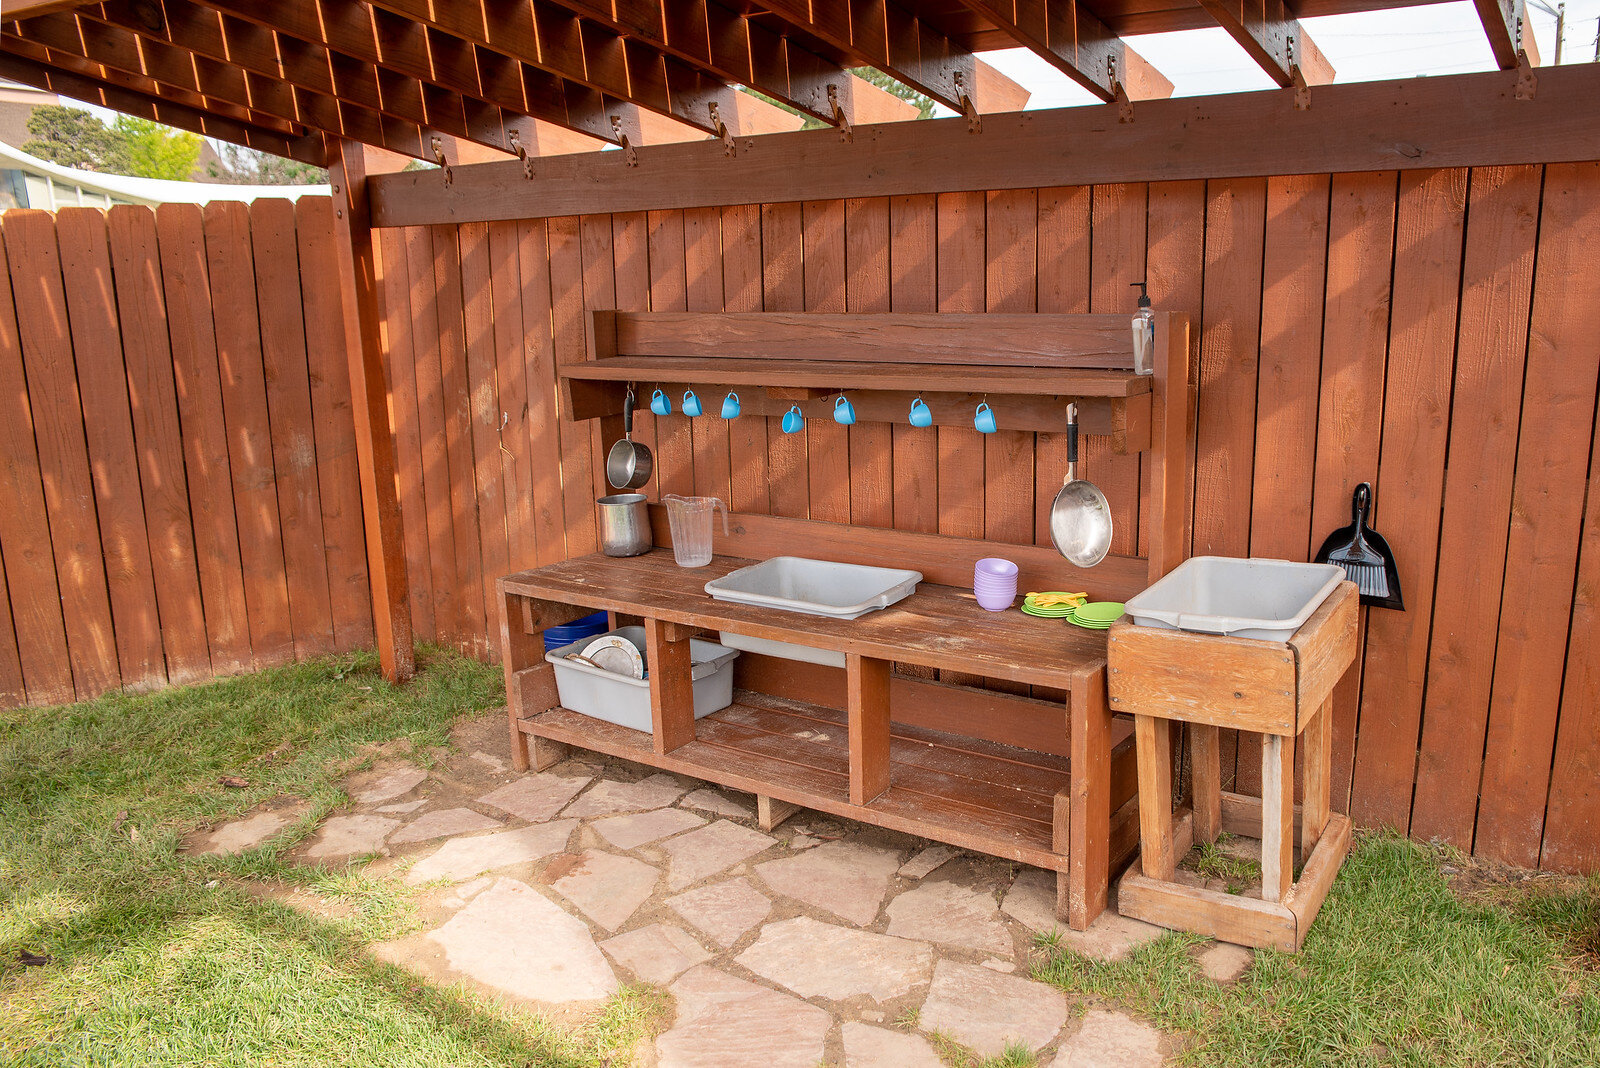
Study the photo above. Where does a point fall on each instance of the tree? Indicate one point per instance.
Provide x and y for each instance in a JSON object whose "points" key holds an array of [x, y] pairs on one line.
{"points": [[246, 166], [157, 151], [73, 137], [923, 104]]}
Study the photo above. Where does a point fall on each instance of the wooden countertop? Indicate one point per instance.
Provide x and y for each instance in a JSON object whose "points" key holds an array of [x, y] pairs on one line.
{"points": [[938, 626]]}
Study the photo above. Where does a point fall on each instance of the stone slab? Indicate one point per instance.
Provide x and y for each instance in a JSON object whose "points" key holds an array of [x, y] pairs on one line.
{"points": [[402, 807], [816, 959], [607, 888], [719, 804], [847, 878], [1031, 900], [384, 784], [446, 821], [535, 798], [924, 863], [724, 911], [713, 848], [462, 858], [1226, 962], [1110, 1040], [511, 938], [952, 915], [866, 1046], [1110, 937], [245, 834], [351, 836], [724, 1022], [641, 828], [986, 1011], [608, 796], [656, 954]]}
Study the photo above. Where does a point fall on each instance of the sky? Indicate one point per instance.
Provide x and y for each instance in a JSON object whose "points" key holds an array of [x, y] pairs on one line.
{"points": [[1370, 46]]}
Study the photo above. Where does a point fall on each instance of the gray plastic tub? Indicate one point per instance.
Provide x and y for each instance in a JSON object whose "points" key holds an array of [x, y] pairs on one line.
{"points": [[625, 701], [814, 587], [1265, 599]]}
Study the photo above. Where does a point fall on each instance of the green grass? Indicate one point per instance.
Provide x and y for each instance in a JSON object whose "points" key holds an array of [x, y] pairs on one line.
{"points": [[1398, 970], [157, 959], [1214, 863]]}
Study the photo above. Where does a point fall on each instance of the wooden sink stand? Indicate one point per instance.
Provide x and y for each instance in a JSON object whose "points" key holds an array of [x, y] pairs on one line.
{"points": [[1284, 691]]}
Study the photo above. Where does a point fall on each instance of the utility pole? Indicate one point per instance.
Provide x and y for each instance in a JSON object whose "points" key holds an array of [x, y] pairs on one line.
{"points": [[1560, 13]]}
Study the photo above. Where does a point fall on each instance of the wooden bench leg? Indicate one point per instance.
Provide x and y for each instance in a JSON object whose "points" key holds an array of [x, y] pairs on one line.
{"points": [[671, 687], [546, 754], [519, 651], [770, 812], [1205, 780], [867, 699], [1277, 816], [1154, 742], [1088, 844], [1317, 751]]}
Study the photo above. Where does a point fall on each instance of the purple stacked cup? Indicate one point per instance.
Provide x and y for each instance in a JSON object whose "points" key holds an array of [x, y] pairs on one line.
{"points": [[994, 581]]}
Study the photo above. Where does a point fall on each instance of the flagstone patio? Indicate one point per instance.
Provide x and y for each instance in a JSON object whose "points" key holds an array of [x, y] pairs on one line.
{"points": [[823, 942]]}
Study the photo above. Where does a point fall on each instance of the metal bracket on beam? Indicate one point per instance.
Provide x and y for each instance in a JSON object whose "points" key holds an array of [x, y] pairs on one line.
{"points": [[1297, 77], [845, 133], [444, 164], [520, 150], [968, 108], [629, 156], [1119, 94], [1527, 82], [728, 147]]}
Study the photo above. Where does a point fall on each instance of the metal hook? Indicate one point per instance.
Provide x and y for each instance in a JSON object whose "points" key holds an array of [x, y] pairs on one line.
{"points": [[444, 164], [520, 150], [968, 108], [845, 133], [629, 156]]}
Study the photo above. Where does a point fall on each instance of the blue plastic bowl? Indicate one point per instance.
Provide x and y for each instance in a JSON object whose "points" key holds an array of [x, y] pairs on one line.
{"points": [[567, 633]]}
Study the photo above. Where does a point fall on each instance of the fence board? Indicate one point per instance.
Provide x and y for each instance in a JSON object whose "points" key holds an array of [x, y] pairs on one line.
{"points": [[870, 478], [742, 292], [113, 462], [244, 409], [549, 507], [578, 462], [293, 430], [44, 665], [1496, 285], [783, 289], [344, 539], [1118, 217], [484, 415], [914, 287], [668, 292], [702, 267], [827, 442], [411, 462], [46, 345], [1063, 254], [1011, 234]]}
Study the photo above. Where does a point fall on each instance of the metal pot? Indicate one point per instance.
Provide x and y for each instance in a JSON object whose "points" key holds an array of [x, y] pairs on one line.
{"points": [[624, 525], [628, 464]]}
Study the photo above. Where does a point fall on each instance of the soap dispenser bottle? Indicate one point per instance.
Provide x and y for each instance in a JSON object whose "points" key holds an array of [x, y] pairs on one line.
{"points": [[1144, 333]]}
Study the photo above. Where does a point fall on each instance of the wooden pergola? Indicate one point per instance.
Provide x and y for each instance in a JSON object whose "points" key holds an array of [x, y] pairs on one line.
{"points": [[455, 82]]}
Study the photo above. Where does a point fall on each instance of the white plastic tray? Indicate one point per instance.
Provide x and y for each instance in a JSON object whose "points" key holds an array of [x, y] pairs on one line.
{"points": [[1265, 599], [815, 587], [626, 701]]}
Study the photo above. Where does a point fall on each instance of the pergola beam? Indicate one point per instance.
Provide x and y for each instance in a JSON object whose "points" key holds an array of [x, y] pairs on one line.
{"points": [[740, 50], [1505, 23], [875, 33], [1072, 39], [1274, 38], [53, 78]]}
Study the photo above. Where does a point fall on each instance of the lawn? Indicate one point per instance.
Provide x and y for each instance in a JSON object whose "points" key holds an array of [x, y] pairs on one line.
{"points": [[152, 958], [158, 959]]}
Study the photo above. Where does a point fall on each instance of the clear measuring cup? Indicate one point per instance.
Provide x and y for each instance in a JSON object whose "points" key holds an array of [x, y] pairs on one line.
{"points": [[690, 520]]}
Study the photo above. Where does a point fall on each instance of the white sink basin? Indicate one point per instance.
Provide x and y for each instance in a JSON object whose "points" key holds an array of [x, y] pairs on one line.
{"points": [[813, 587]]}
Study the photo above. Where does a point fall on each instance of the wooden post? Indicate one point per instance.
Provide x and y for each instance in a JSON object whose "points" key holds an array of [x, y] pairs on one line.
{"points": [[671, 686], [1154, 743], [369, 406], [1205, 780], [1089, 821], [1317, 751], [1277, 816], [867, 689], [1167, 463]]}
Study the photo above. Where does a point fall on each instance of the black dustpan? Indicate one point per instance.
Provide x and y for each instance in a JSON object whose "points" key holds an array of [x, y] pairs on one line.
{"points": [[1364, 555]]}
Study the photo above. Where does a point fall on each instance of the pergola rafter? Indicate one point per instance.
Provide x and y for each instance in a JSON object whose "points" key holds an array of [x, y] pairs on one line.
{"points": [[1274, 38], [1505, 23], [1071, 38]]}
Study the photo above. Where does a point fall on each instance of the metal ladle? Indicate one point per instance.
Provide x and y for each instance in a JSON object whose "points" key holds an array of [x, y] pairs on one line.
{"points": [[1080, 517], [628, 463]]}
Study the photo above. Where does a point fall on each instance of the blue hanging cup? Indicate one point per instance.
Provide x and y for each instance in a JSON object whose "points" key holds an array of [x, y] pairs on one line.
{"points": [[843, 411], [691, 403], [661, 404], [983, 419], [920, 413], [793, 421], [730, 406]]}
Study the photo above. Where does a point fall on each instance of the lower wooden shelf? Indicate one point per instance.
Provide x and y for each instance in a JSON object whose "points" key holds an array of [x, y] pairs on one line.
{"points": [[969, 793]]}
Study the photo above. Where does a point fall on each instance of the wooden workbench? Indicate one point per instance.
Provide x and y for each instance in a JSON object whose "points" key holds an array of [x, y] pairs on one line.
{"points": [[868, 761]]}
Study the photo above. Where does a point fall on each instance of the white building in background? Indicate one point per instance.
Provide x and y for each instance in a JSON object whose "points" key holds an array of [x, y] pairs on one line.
{"points": [[30, 182]]}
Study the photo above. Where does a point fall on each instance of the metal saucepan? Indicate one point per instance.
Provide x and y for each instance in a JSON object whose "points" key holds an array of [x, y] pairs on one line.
{"points": [[628, 463], [1080, 518]]}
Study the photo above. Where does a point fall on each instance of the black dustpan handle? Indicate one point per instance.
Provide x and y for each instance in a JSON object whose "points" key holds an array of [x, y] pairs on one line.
{"points": [[1360, 502]]}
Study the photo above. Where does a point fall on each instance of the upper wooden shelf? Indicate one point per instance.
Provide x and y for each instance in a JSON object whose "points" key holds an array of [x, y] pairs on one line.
{"points": [[834, 375]]}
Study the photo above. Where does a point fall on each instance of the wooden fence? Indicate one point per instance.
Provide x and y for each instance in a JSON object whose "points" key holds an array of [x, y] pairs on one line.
{"points": [[1431, 331], [178, 487]]}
